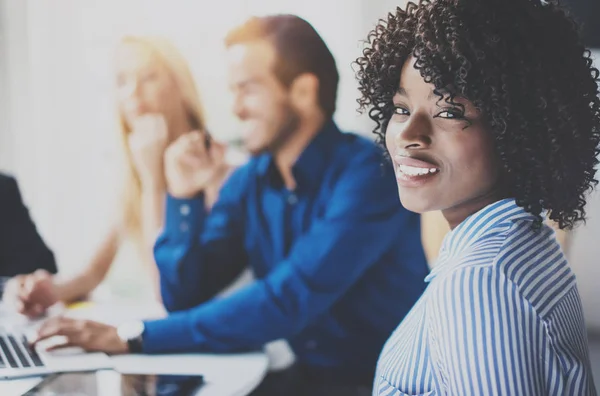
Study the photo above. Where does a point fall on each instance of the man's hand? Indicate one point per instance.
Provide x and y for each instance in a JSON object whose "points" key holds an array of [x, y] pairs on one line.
{"points": [[86, 334], [32, 294], [190, 167]]}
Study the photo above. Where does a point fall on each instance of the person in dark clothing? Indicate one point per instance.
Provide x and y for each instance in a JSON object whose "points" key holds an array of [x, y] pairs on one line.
{"points": [[22, 249]]}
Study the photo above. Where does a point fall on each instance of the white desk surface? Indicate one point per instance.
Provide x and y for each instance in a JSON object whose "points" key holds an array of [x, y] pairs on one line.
{"points": [[225, 375], [234, 375]]}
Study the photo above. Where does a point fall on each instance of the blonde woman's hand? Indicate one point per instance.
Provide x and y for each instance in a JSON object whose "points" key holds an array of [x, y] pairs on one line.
{"points": [[31, 294], [147, 142], [190, 167]]}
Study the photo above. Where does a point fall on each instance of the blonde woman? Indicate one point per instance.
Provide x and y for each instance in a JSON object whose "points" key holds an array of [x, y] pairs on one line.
{"points": [[157, 103]]}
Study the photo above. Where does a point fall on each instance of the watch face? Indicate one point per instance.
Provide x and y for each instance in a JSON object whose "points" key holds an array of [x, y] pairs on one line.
{"points": [[130, 330]]}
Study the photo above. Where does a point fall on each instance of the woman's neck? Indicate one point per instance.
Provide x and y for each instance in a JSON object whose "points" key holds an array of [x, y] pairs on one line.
{"points": [[458, 213]]}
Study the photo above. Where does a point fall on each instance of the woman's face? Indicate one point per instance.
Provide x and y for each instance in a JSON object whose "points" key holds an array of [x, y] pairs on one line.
{"points": [[144, 85], [443, 154]]}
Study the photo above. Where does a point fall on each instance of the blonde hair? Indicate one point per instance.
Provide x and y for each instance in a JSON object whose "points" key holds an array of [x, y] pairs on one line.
{"points": [[168, 55]]}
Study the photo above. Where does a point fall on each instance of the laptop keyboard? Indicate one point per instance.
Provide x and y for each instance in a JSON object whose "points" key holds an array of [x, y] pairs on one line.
{"points": [[15, 351]]}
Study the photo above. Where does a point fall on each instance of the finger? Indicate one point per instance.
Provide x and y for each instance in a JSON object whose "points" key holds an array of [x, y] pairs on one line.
{"points": [[154, 128], [176, 156], [150, 125], [59, 325], [46, 330], [19, 279], [180, 146], [27, 309], [155, 119], [140, 130], [30, 314], [193, 162], [217, 152], [20, 306], [29, 283], [62, 345], [191, 159], [40, 278], [30, 310], [35, 310], [30, 286], [161, 130], [41, 274], [137, 126], [197, 143], [24, 292]]}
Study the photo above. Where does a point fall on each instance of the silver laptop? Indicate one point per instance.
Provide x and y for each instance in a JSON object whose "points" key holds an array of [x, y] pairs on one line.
{"points": [[18, 359]]}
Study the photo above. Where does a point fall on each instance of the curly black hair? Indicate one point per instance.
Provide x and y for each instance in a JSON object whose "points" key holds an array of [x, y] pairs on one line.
{"points": [[522, 64]]}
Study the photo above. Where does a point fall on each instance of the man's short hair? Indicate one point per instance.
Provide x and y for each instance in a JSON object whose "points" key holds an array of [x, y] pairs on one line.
{"points": [[299, 49]]}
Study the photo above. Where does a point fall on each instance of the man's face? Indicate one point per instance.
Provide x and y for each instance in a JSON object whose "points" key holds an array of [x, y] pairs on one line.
{"points": [[261, 101]]}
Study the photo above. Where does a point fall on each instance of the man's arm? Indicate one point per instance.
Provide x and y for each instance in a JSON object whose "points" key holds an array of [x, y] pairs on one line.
{"points": [[199, 253], [362, 220], [22, 249]]}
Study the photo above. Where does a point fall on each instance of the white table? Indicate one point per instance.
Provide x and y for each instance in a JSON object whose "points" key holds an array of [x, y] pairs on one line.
{"points": [[233, 375], [225, 375]]}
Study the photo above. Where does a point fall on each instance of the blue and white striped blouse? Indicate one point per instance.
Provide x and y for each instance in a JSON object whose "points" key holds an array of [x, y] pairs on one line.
{"points": [[501, 316]]}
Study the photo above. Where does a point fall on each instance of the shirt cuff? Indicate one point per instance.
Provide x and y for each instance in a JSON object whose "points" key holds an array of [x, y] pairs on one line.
{"points": [[184, 215], [171, 334]]}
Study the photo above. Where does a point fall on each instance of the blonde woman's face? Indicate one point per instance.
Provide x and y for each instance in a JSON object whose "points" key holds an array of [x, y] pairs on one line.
{"points": [[144, 84]]}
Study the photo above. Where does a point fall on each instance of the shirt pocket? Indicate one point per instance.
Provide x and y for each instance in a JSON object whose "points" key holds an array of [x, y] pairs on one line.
{"points": [[386, 388]]}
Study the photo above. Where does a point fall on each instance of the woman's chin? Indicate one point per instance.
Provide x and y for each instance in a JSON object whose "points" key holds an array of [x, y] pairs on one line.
{"points": [[416, 204]]}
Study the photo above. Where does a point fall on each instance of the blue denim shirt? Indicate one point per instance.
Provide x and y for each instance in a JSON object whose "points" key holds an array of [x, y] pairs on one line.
{"points": [[338, 261]]}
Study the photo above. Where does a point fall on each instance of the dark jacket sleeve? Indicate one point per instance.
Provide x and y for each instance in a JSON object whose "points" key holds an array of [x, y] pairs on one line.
{"points": [[22, 249]]}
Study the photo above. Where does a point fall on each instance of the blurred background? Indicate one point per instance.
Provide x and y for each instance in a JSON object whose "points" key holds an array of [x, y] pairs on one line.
{"points": [[58, 132], [58, 124]]}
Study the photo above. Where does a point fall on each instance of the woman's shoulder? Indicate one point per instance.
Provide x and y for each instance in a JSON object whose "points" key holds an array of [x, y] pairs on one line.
{"points": [[530, 252], [526, 260]]}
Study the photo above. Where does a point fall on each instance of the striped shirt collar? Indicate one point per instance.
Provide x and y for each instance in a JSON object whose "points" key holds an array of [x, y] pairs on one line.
{"points": [[494, 218]]}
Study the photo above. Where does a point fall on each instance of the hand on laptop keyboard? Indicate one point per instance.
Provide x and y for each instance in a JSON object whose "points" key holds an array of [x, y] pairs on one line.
{"points": [[89, 335]]}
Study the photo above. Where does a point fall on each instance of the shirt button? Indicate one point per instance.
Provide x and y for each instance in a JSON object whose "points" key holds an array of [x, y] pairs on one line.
{"points": [[311, 344], [184, 209], [184, 227], [292, 199]]}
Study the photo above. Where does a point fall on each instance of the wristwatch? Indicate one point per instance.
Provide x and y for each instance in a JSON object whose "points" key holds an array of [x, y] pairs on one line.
{"points": [[132, 333]]}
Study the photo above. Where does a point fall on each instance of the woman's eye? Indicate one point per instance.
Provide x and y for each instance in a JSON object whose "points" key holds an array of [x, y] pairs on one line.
{"points": [[400, 111], [451, 114]]}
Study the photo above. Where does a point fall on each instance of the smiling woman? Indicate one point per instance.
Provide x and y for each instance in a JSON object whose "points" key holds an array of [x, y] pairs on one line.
{"points": [[482, 125], [441, 150]]}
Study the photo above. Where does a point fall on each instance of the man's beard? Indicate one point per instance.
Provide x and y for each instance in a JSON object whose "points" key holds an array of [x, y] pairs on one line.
{"points": [[290, 121]]}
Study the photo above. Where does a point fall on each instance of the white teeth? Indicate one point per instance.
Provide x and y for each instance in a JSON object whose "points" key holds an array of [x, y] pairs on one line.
{"points": [[415, 171]]}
